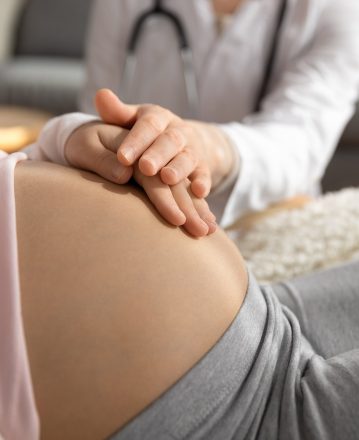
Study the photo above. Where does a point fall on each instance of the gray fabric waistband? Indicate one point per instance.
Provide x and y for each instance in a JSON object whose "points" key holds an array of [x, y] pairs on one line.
{"points": [[262, 381], [195, 398]]}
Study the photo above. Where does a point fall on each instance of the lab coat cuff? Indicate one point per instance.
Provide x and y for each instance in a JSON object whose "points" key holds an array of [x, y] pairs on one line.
{"points": [[228, 181], [241, 197], [57, 131], [68, 125]]}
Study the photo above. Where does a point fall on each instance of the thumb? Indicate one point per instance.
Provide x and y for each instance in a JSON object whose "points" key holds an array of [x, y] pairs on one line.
{"points": [[113, 111]]}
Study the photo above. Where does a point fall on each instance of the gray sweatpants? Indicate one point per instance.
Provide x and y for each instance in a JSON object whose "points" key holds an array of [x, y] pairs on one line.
{"points": [[327, 307], [285, 369]]}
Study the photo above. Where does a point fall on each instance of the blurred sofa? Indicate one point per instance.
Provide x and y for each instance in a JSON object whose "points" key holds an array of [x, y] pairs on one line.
{"points": [[343, 170], [44, 66]]}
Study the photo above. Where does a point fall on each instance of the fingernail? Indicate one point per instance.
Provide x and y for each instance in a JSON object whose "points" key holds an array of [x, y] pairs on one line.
{"points": [[128, 154], [118, 171], [211, 218], [183, 219], [204, 224], [180, 220], [211, 222], [148, 166], [172, 171], [212, 227], [171, 175]]}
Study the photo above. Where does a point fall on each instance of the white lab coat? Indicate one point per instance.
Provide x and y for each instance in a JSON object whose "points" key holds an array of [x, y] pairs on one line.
{"points": [[283, 149]]}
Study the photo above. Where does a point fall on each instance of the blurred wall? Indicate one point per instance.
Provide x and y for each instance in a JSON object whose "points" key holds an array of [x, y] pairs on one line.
{"points": [[8, 15]]}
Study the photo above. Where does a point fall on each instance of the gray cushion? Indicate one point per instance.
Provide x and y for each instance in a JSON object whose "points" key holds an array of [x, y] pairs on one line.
{"points": [[53, 28], [50, 84], [351, 133], [342, 171]]}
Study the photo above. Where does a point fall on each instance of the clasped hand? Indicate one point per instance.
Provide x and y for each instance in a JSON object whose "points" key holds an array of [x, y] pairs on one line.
{"points": [[172, 159]]}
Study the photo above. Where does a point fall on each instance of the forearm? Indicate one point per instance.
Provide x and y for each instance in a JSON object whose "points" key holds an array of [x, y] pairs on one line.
{"points": [[285, 148]]}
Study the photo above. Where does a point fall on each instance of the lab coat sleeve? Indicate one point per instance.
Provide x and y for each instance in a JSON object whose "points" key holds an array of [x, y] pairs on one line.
{"points": [[50, 145], [285, 148]]}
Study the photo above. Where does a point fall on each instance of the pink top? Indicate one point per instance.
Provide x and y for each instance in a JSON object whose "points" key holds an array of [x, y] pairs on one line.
{"points": [[18, 415]]}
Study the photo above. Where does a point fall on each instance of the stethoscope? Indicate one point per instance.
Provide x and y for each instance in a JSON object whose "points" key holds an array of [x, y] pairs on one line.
{"points": [[187, 55]]}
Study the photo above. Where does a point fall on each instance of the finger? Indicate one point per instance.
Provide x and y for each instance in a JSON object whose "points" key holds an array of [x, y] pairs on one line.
{"points": [[179, 168], [145, 131], [98, 159], [113, 111], [105, 164], [205, 213], [194, 225], [201, 181], [164, 148], [111, 137], [162, 198]]}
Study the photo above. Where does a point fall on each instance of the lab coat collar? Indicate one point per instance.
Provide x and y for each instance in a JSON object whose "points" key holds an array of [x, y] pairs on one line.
{"points": [[202, 14], [199, 19]]}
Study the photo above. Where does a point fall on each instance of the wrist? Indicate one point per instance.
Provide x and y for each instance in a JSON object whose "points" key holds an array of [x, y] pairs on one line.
{"points": [[217, 149], [224, 159], [78, 135]]}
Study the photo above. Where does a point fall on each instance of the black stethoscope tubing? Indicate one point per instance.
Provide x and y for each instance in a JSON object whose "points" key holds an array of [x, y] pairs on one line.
{"points": [[271, 55], [186, 52], [157, 9], [184, 47]]}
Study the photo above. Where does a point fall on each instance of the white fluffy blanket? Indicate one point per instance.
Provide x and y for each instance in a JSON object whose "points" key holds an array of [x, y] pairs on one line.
{"points": [[324, 233]]}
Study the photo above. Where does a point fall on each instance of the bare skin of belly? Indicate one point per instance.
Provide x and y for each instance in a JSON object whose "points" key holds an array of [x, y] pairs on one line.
{"points": [[117, 305]]}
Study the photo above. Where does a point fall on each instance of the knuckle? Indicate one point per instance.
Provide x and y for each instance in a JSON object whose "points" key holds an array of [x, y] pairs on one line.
{"points": [[136, 137], [176, 137], [190, 155], [168, 115], [154, 122], [188, 129], [158, 109], [203, 171], [162, 112]]}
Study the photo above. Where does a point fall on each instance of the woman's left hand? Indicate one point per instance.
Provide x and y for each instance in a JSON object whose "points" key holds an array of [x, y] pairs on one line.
{"points": [[164, 143]]}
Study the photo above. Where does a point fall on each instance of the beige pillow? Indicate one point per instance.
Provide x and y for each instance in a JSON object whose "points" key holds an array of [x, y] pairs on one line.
{"points": [[9, 10], [322, 234]]}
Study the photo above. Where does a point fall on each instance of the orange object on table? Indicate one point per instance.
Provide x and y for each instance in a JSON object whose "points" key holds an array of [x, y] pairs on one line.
{"points": [[20, 126], [246, 222]]}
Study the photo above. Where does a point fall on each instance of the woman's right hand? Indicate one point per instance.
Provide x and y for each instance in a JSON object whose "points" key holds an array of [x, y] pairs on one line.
{"points": [[94, 146]]}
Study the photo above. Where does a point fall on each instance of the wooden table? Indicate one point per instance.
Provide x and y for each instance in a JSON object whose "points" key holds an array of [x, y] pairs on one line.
{"points": [[246, 222], [20, 126]]}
